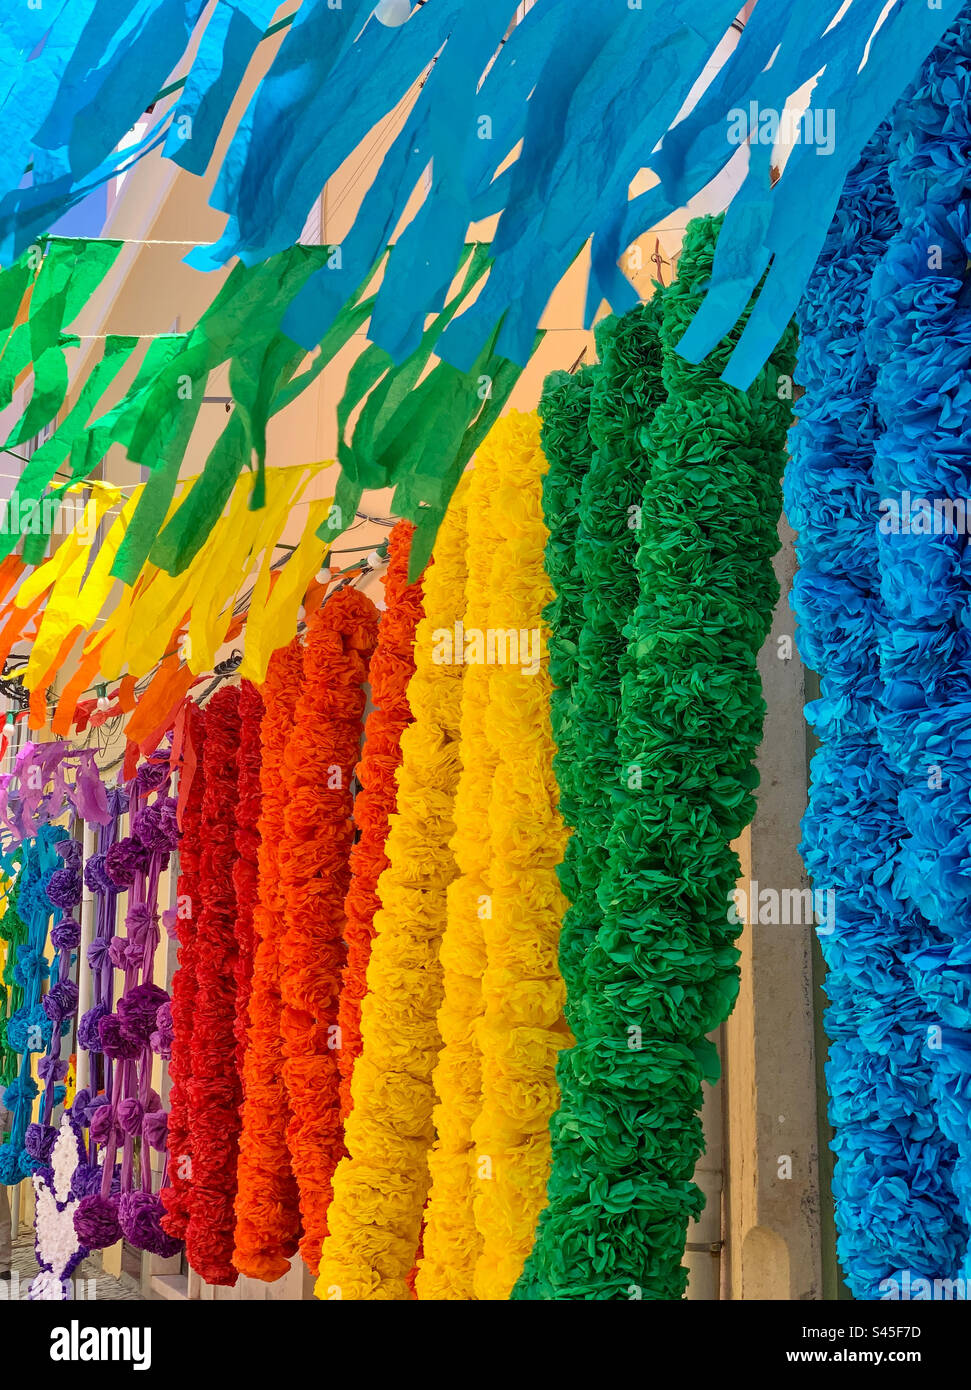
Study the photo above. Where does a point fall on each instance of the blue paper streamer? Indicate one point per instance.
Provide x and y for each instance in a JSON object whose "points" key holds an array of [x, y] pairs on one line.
{"points": [[591, 90]]}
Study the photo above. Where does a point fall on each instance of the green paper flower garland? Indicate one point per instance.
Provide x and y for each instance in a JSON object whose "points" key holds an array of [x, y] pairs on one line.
{"points": [[660, 972]]}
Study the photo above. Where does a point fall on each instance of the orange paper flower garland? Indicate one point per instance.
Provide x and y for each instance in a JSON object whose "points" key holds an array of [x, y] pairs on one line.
{"points": [[392, 667], [267, 1205], [315, 875]]}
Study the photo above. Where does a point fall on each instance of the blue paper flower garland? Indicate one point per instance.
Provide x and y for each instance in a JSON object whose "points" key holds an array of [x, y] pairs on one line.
{"points": [[892, 1180], [919, 337], [29, 1030]]}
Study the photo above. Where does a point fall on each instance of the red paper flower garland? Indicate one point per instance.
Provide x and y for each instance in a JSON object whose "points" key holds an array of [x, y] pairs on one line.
{"points": [[214, 1090], [177, 1194], [392, 667], [315, 874], [267, 1205], [246, 870]]}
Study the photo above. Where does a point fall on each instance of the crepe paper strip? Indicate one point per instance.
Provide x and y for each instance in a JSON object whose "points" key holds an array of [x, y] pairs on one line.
{"points": [[163, 689], [11, 568], [38, 695], [67, 569], [315, 875], [151, 741], [240, 326], [391, 668], [94, 84], [69, 270], [67, 705], [214, 1091], [521, 1028], [895, 55], [15, 281], [893, 1182], [117, 425], [451, 1242], [15, 624], [64, 892], [381, 1186], [277, 595], [176, 1192], [337, 71], [267, 1204], [169, 699], [207, 589], [227, 571], [659, 970], [230, 39]]}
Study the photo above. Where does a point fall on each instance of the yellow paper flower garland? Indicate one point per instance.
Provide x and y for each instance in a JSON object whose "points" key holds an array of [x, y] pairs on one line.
{"points": [[381, 1186], [522, 1028], [452, 1243]]}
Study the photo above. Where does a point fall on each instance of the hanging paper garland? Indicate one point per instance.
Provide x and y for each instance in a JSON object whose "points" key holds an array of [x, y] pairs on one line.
{"points": [[594, 430], [660, 972], [13, 931], [61, 1000], [95, 1094], [214, 1090], [918, 334], [126, 1206], [521, 1029], [451, 1243], [892, 1178], [314, 873], [564, 409], [29, 1028], [392, 667], [176, 1192], [381, 1185], [246, 870], [267, 1203]]}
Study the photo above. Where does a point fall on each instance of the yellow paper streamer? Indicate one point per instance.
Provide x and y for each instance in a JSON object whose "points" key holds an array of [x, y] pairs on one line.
{"points": [[137, 632]]}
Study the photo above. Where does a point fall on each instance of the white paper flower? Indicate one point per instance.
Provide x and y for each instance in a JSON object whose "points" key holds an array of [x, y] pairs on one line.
{"points": [[56, 1240]]}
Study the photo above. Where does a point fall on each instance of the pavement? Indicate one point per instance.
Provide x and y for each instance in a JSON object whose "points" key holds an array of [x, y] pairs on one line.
{"points": [[90, 1281]]}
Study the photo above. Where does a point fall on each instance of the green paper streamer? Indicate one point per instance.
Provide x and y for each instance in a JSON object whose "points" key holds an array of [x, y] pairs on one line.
{"points": [[54, 452], [392, 446]]}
